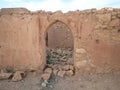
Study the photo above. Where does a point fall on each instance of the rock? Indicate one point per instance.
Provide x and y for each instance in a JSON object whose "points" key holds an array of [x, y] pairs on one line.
{"points": [[71, 67], [68, 62], [50, 65], [23, 74], [55, 71], [18, 75], [44, 84], [32, 69], [55, 66], [69, 73], [110, 9], [46, 81], [5, 75], [46, 76], [61, 73], [3, 71], [48, 70], [59, 50], [104, 18], [66, 67], [59, 67], [62, 59], [114, 22], [58, 13]]}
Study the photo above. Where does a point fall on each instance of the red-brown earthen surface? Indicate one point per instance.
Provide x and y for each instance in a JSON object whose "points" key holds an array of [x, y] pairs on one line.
{"points": [[96, 35]]}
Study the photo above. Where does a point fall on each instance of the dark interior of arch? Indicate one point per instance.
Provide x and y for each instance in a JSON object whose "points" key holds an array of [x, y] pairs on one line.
{"points": [[59, 44]]}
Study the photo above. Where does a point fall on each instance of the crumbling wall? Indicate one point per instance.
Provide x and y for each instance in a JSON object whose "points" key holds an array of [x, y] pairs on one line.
{"points": [[96, 35], [100, 40]]}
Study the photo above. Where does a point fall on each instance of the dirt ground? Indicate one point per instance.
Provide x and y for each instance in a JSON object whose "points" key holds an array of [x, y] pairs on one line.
{"points": [[57, 59], [77, 82]]}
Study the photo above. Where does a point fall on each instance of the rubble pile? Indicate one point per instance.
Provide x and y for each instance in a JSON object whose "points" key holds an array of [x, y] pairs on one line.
{"points": [[59, 63], [13, 75], [55, 71], [59, 56]]}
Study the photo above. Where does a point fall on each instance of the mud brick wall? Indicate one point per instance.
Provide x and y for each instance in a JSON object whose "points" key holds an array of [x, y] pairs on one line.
{"points": [[96, 35]]}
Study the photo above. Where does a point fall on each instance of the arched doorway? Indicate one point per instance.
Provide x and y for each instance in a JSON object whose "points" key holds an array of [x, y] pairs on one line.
{"points": [[59, 44]]}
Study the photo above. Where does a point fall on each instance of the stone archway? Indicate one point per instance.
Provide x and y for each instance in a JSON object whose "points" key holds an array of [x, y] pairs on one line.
{"points": [[59, 44]]}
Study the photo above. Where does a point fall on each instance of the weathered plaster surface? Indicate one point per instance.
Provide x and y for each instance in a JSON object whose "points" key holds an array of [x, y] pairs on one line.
{"points": [[96, 36]]}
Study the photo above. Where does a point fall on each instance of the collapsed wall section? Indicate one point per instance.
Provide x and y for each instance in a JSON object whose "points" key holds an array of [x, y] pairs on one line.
{"points": [[96, 35]]}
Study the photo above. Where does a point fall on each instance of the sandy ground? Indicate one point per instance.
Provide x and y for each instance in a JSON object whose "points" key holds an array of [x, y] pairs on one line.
{"points": [[77, 82]]}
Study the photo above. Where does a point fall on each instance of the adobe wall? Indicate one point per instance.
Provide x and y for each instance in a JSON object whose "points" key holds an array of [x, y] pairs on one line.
{"points": [[96, 36], [19, 40]]}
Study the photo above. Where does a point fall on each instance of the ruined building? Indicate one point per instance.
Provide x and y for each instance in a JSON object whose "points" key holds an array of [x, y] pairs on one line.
{"points": [[93, 35]]}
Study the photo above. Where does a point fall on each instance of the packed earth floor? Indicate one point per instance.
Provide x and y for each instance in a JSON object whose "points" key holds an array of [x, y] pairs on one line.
{"points": [[76, 82]]}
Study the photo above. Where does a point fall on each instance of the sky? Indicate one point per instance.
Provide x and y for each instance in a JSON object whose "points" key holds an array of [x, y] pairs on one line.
{"points": [[63, 5]]}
